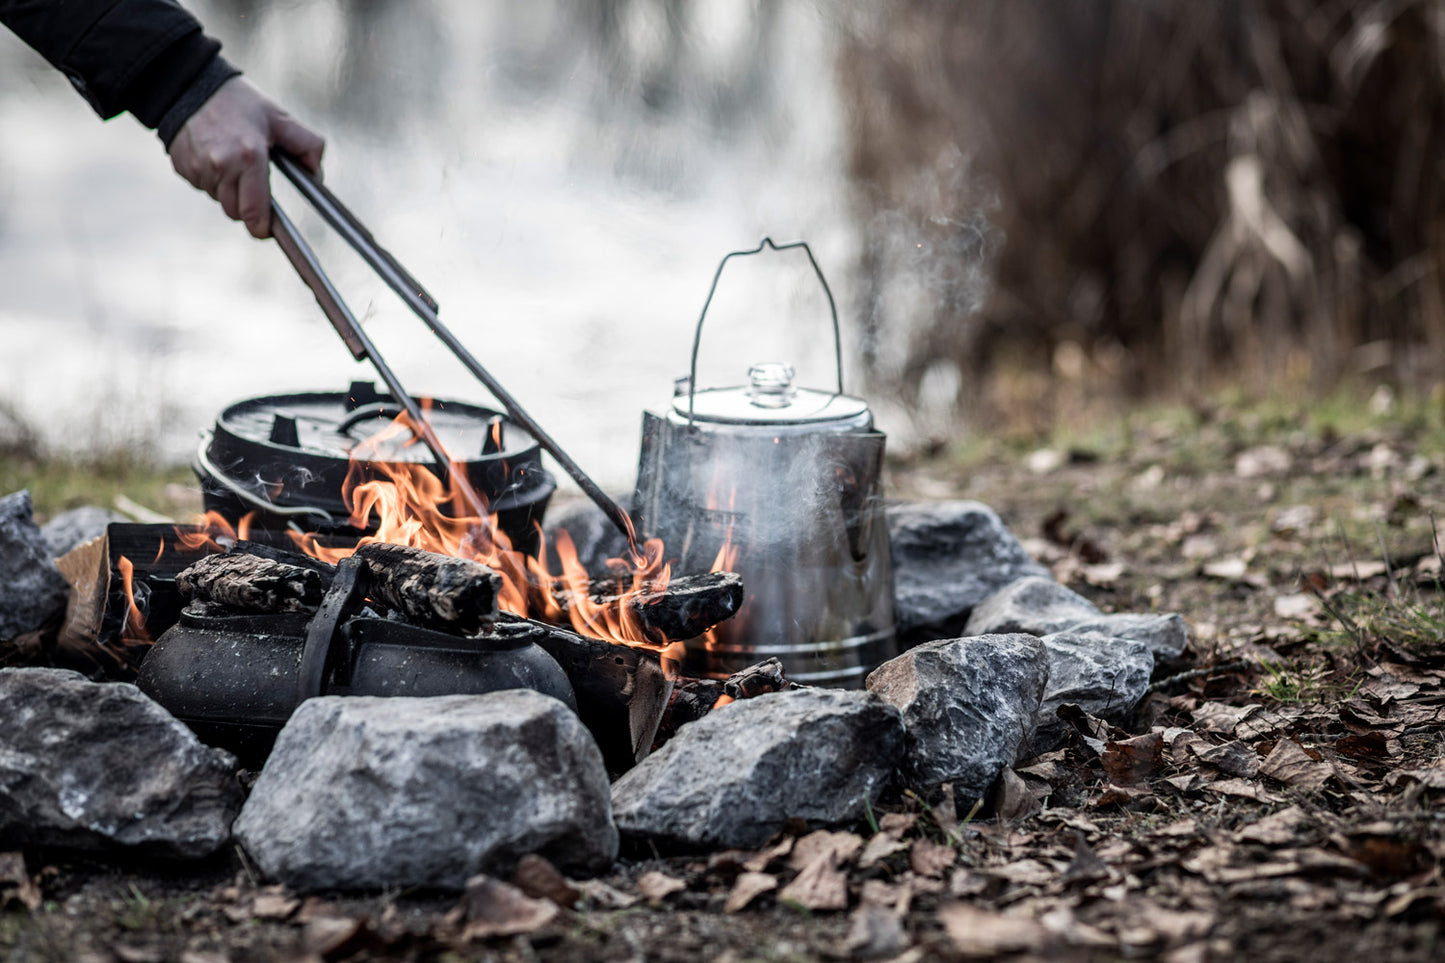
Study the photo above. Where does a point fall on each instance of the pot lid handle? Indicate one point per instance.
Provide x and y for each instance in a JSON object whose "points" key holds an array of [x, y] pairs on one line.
{"points": [[765, 244]]}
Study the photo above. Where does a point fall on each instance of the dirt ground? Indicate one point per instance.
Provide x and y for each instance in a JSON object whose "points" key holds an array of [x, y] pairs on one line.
{"points": [[1276, 797]]}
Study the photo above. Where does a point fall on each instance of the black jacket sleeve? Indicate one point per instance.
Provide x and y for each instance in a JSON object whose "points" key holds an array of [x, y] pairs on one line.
{"points": [[148, 57]]}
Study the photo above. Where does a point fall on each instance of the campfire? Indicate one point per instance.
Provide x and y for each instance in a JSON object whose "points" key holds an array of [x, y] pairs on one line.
{"points": [[421, 596]]}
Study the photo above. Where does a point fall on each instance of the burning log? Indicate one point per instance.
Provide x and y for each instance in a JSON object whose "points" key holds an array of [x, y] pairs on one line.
{"points": [[621, 690], [433, 591], [125, 585], [324, 569], [685, 609], [251, 582]]}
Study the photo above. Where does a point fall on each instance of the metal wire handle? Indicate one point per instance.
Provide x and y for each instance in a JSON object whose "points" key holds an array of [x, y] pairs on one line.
{"points": [[765, 244]]}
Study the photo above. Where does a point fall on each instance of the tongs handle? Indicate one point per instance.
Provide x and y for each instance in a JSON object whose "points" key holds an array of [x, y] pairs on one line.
{"points": [[345, 223], [425, 307], [306, 265], [303, 259]]}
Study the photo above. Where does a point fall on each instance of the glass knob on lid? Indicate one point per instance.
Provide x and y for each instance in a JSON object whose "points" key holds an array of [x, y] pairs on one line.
{"points": [[770, 384]]}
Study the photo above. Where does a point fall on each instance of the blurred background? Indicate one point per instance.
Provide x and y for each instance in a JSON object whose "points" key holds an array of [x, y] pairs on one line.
{"points": [[1029, 209]]}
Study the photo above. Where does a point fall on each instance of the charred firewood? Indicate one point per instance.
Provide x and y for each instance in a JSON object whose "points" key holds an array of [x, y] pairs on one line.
{"points": [[685, 609], [251, 583], [325, 570], [434, 591], [756, 680], [691, 700], [621, 690], [108, 616], [694, 698]]}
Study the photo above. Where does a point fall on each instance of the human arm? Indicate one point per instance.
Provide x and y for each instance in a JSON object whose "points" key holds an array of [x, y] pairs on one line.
{"points": [[151, 58]]}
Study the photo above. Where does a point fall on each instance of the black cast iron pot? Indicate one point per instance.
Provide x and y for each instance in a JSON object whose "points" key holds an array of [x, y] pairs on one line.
{"points": [[285, 459]]}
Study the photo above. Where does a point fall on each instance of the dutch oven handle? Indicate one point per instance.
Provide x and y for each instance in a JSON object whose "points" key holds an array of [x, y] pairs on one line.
{"points": [[766, 243], [319, 655]]}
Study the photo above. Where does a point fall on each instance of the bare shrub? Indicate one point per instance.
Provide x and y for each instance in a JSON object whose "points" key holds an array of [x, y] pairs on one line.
{"points": [[1146, 194]]}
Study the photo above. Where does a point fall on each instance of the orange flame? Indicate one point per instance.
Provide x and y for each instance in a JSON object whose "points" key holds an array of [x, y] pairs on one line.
{"points": [[728, 552], [134, 629], [408, 504]]}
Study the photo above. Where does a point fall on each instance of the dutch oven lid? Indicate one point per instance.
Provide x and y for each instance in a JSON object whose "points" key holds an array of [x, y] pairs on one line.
{"points": [[770, 398], [339, 426]]}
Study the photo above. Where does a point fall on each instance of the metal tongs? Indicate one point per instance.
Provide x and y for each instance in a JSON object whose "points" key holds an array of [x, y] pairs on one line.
{"points": [[303, 259]]}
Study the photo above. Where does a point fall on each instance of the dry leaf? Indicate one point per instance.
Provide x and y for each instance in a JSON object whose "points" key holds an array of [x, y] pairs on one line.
{"points": [[879, 848], [944, 813], [761, 861], [821, 886], [1276, 830], [16, 885], [842, 846], [1218, 717], [1431, 778], [892, 895], [203, 956], [965, 882], [491, 908], [1291, 765], [1357, 571], [1012, 798], [1233, 758], [874, 932], [747, 887], [274, 906], [1103, 575], [1230, 569], [1262, 461], [1086, 866], [984, 933], [898, 823], [1118, 796], [538, 878], [656, 886], [1175, 925], [1130, 762], [330, 937], [1026, 872], [1244, 789], [598, 894], [1385, 688], [931, 859], [1061, 923], [1388, 855], [1298, 605]]}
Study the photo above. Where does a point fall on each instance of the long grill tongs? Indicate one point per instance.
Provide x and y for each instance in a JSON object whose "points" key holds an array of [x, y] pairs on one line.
{"points": [[303, 259]]}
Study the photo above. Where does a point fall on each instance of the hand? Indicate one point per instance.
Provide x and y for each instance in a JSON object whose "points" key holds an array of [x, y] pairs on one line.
{"points": [[223, 150]]}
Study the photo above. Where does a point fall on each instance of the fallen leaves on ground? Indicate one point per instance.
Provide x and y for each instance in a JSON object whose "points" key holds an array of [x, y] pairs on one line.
{"points": [[491, 908]]}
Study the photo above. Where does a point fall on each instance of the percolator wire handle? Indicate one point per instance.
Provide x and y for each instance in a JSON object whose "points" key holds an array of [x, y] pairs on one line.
{"points": [[765, 244]]}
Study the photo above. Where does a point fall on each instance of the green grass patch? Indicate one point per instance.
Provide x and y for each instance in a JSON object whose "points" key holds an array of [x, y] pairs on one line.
{"points": [[57, 484]]}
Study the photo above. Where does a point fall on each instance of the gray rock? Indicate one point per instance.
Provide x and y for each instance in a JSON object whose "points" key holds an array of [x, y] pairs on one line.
{"points": [[32, 590], [76, 527], [593, 534], [365, 793], [970, 707], [735, 776], [96, 766], [1106, 677], [1041, 606], [948, 557]]}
